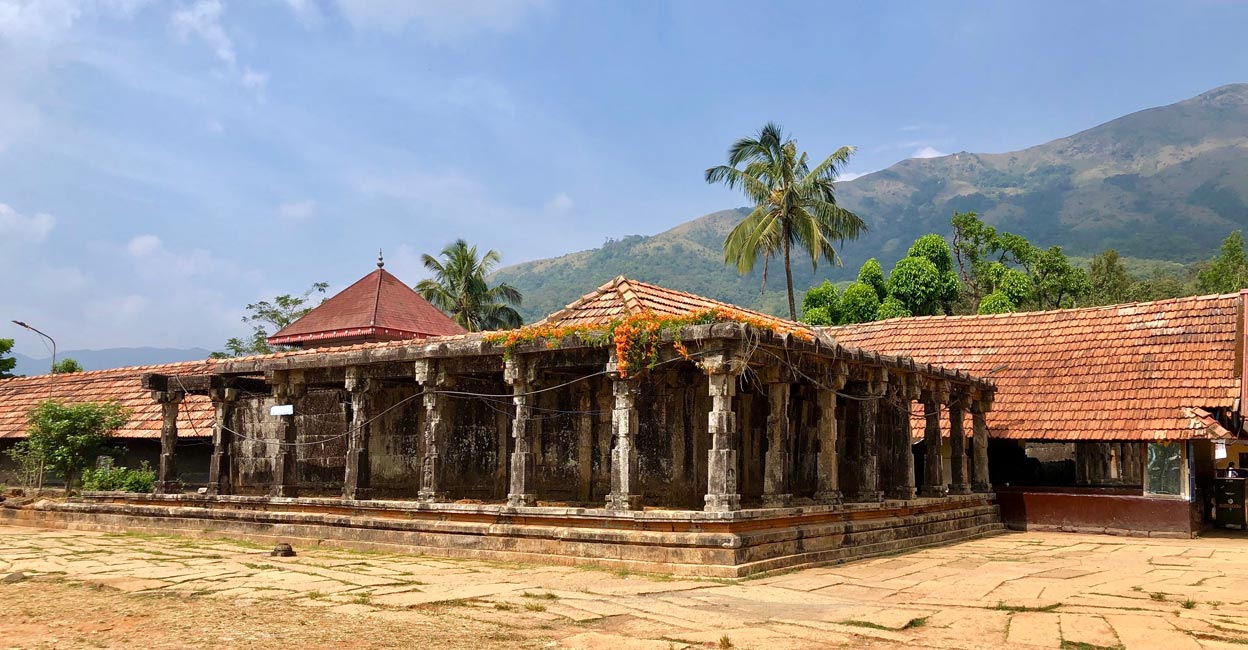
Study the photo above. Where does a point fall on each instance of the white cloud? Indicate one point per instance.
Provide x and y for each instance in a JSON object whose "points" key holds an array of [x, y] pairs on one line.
{"points": [[559, 203], [297, 210], [15, 228], [144, 245], [202, 20], [849, 176], [440, 20], [928, 152], [306, 11]]}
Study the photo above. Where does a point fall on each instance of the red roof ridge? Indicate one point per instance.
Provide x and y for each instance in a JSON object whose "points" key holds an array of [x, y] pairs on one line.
{"points": [[89, 374]]}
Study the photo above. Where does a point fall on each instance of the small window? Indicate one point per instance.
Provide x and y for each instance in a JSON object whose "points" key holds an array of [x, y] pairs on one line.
{"points": [[1166, 471]]}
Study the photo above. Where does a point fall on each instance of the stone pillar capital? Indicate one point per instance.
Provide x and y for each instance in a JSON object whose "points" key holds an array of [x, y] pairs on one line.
{"points": [[167, 396]]}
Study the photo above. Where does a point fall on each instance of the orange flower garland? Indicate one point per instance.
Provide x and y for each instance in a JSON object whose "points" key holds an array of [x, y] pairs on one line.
{"points": [[638, 338]]}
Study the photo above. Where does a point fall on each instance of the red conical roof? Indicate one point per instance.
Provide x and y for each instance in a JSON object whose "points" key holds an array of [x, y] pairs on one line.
{"points": [[379, 307]]}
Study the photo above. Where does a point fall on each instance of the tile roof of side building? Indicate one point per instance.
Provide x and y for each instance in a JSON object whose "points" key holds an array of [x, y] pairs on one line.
{"points": [[19, 395], [1138, 371]]}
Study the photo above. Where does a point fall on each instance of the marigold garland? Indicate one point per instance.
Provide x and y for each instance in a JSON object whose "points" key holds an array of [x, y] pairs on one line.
{"points": [[638, 338]]}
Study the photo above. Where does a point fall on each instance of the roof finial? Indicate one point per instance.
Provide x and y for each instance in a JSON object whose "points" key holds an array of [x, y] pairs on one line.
{"points": [[380, 263]]}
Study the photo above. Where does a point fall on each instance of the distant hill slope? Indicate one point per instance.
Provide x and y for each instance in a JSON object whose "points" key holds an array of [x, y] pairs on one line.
{"points": [[1166, 183], [109, 358]]}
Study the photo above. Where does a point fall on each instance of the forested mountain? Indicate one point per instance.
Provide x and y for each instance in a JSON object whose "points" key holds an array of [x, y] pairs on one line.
{"points": [[1166, 183]]}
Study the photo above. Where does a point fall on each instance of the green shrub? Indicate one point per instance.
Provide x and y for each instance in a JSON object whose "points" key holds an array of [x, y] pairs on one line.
{"points": [[858, 304], [892, 308], [119, 479], [824, 302], [996, 303], [873, 276]]}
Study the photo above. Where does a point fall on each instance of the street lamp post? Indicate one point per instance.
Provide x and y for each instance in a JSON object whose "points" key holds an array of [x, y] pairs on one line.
{"points": [[21, 324]]}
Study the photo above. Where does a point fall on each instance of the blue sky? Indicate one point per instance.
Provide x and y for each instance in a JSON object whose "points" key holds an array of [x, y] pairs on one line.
{"points": [[162, 164]]}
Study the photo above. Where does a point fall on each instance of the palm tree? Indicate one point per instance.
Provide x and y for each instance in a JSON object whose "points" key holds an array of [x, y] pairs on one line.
{"points": [[459, 288], [794, 204]]}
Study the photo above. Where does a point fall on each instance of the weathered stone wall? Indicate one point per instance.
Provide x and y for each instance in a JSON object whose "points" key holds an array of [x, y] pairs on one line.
{"points": [[471, 463], [395, 441]]}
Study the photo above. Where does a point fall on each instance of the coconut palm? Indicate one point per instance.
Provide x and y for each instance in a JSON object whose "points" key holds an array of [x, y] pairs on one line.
{"points": [[459, 287], [794, 204]]}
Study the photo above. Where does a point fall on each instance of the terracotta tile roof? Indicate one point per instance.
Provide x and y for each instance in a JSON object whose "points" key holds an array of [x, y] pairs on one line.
{"points": [[378, 307], [623, 297], [1139, 371], [19, 395]]}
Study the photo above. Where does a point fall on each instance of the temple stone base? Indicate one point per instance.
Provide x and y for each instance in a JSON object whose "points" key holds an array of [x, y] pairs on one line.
{"points": [[681, 542]]}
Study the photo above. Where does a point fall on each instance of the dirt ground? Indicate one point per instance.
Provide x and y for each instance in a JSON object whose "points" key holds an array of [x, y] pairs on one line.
{"points": [[62, 589]]}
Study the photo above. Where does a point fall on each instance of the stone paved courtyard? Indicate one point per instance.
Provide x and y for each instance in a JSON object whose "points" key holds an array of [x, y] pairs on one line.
{"points": [[1036, 590]]}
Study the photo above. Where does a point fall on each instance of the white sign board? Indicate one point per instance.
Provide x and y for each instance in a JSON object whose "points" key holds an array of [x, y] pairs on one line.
{"points": [[282, 409], [1219, 450]]}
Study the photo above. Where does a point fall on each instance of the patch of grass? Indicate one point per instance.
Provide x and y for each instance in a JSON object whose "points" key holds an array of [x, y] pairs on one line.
{"points": [[1158, 596], [1215, 637], [534, 607], [867, 624], [725, 643], [1079, 645], [259, 567], [1188, 604], [915, 622], [1002, 607], [1137, 588], [505, 607], [543, 596], [363, 599], [444, 604], [316, 595], [1215, 604]]}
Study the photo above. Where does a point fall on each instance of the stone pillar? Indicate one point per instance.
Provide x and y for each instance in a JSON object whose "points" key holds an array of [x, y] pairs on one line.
{"points": [[585, 438], [523, 490], [865, 479], [437, 422], [167, 479], [219, 466], [826, 431], [722, 494], [959, 481], [357, 482], [778, 462], [980, 478], [902, 484], [286, 390], [933, 468], [624, 494], [1133, 470]]}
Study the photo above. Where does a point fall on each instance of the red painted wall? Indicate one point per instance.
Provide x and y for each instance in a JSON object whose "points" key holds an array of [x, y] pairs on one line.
{"points": [[1093, 510]]}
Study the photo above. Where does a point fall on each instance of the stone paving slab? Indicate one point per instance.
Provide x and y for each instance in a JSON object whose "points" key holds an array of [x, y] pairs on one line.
{"points": [[1033, 590]]}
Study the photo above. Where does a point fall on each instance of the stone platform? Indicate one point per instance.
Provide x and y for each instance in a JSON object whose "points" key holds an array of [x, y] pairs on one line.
{"points": [[681, 542]]}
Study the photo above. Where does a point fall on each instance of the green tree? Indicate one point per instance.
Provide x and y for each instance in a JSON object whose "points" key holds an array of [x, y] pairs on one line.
{"points": [[1056, 283], [859, 304], [892, 308], [68, 437], [267, 317], [916, 283], [996, 303], [66, 365], [1159, 286], [821, 305], [1111, 283], [873, 276], [1228, 272], [7, 362], [794, 204], [460, 288]]}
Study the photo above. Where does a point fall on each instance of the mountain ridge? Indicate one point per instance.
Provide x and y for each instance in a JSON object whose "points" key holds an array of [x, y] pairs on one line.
{"points": [[1130, 183]]}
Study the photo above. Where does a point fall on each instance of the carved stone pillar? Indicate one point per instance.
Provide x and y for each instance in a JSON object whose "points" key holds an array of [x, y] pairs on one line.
{"points": [[167, 479], [624, 494], [357, 483], [959, 480], [722, 494], [437, 423], [585, 439], [219, 466], [865, 480], [286, 390], [826, 432], [778, 462], [980, 478], [523, 491], [936, 394], [901, 486]]}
